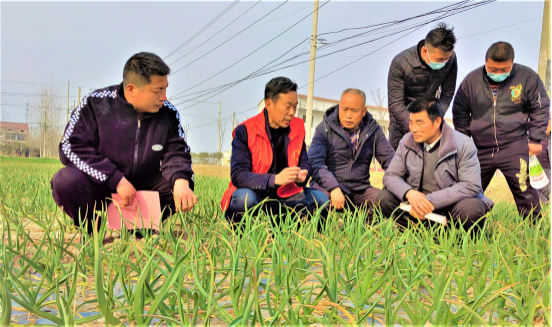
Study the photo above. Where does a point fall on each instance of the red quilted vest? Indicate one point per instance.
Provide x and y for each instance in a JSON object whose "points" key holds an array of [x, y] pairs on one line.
{"points": [[261, 149]]}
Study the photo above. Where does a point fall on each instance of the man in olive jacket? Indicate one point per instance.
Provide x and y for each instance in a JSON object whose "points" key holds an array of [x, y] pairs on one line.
{"points": [[435, 169], [505, 109], [428, 69]]}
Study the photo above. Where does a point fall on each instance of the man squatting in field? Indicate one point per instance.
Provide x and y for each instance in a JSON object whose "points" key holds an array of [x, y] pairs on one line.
{"points": [[269, 158], [122, 138], [436, 169], [342, 149], [504, 107]]}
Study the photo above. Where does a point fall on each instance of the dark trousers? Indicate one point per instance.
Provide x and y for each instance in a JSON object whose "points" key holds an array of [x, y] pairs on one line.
{"points": [[466, 211], [368, 197], [78, 195], [395, 136], [243, 198], [513, 162]]}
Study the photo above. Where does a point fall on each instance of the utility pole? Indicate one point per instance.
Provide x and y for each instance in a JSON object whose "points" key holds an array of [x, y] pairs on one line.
{"points": [[310, 95], [67, 114], [79, 100], [233, 122], [27, 112], [544, 54], [218, 123]]}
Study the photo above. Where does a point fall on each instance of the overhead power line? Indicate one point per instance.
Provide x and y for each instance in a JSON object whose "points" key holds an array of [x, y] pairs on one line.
{"points": [[228, 41], [203, 29], [457, 8], [217, 33], [257, 49]]}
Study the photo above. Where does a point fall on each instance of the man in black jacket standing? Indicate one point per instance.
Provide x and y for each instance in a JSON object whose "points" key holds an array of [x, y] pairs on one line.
{"points": [[123, 138], [505, 109], [428, 69]]}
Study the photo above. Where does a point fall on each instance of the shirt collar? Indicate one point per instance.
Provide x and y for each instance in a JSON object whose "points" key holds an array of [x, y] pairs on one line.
{"points": [[428, 147]]}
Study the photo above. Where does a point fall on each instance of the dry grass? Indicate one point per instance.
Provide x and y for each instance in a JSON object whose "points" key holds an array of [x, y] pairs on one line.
{"points": [[497, 191]]}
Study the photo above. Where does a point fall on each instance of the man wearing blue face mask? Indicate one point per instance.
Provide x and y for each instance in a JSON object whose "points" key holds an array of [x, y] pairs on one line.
{"points": [[427, 69], [505, 109]]}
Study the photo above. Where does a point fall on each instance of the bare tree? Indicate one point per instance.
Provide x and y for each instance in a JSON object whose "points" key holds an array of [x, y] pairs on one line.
{"points": [[381, 115], [47, 114]]}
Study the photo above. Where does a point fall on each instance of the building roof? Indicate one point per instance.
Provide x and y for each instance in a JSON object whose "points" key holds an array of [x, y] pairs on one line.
{"points": [[14, 126]]}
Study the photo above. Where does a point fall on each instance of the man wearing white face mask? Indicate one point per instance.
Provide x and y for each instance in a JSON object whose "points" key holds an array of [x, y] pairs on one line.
{"points": [[505, 109], [427, 69]]}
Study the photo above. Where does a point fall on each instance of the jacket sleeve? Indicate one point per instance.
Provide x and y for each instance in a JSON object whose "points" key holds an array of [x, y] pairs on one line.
{"points": [[79, 147], [539, 110], [449, 86], [461, 110], [469, 179], [317, 155], [394, 178], [395, 94], [177, 160], [384, 151], [241, 164]]}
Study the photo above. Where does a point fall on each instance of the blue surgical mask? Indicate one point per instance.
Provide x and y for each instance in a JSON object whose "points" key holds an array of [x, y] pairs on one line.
{"points": [[498, 77], [435, 65]]}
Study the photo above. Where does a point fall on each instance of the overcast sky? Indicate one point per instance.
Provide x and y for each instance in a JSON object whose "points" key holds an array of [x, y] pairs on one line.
{"points": [[87, 43]]}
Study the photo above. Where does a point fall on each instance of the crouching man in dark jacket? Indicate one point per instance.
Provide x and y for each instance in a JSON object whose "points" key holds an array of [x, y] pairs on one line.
{"points": [[342, 149], [123, 138], [427, 69], [504, 107], [435, 169], [269, 158]]}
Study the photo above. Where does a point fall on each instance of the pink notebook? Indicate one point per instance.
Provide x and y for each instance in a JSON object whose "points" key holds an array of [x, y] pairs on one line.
{"points": [[143, 212]]}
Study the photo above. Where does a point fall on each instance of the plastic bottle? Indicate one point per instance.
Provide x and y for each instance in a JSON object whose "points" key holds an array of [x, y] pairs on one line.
{"points": [[536, 174]]}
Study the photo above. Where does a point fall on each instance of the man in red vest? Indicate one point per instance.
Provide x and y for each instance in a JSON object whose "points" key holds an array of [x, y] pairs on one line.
{"points": [[269, 158]]}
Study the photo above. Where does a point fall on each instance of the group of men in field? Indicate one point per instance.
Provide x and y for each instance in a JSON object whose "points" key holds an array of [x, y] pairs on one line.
{"points": [[128, 136]]}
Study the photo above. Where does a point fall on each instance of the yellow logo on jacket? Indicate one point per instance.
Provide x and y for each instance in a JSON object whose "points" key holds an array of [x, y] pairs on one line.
{"points": [[516, 93]]}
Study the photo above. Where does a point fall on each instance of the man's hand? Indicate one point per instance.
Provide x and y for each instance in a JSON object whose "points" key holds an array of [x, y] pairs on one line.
{"points": [[535, 149], [287, 175], [184, 197], [421, 206], [338, 199], [126, 191], [302, 176]]}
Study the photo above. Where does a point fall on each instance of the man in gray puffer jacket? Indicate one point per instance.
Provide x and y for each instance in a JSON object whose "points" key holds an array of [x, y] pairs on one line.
{"points": [[435, 169], [504, 107], [428, 69]]}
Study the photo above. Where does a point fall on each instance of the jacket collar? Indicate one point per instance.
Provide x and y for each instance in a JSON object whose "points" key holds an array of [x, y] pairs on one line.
{"points": [[447, 145], [124, 104]]}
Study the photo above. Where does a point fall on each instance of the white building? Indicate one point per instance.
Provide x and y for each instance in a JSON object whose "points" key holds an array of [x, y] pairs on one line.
{"points": [[320, 105]]}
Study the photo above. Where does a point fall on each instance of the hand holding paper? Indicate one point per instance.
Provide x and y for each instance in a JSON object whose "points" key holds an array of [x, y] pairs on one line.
{"points": [[431, 216], [143, 212]]}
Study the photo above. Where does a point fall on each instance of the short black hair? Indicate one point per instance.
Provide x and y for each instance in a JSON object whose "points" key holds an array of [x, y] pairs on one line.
{"points": [[277, 86], [441, 37], [500, 52], [141, 66], [431, 105]]}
